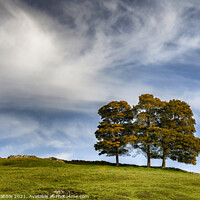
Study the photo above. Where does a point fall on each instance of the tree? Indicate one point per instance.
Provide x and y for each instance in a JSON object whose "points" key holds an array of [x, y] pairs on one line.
{"points": [[146, 122], [160, 129], [113, 132], [165, 130], [165, 141], [177, 140]]}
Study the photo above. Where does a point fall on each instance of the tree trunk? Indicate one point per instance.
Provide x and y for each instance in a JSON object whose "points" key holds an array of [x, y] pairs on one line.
{"points": [[164, 159], [148, 156], [148, 145], [117, 160]]}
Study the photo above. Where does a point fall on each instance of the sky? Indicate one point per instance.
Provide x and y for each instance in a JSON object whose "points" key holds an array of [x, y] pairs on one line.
{"points": [[61, 60]]}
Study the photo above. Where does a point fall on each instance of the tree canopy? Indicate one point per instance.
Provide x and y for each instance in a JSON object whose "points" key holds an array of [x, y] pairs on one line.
{"points": [[177, 139], [113, 132], [160, 129], [147, 118]]}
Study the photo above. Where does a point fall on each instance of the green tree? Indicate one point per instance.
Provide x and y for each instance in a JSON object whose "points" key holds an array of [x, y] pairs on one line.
{"points": [[147, 117], [177, 140], [113, 132]]}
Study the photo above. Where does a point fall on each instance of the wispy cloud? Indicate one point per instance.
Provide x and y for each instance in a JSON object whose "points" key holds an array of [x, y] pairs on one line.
{"points": [[45, 134], [60, 62]]}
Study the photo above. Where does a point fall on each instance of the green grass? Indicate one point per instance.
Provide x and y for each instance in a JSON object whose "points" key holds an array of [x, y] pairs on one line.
{"points": [[44, 177]]}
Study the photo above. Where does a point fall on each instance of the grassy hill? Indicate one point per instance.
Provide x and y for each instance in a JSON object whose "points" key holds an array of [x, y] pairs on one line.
{"points": [[41, 178]]}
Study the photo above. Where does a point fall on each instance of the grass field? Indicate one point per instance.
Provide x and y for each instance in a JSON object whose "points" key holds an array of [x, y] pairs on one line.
{"points": [[42, 178]]}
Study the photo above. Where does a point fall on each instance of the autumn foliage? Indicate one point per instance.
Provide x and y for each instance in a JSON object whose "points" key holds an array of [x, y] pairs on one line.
{"points": [[158, 128], [114, 132]]}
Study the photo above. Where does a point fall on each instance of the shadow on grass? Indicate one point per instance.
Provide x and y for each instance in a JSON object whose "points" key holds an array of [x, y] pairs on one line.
{"points": [[83, 162]]}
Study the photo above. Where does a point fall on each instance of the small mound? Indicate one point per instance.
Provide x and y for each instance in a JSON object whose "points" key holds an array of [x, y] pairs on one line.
{"points": [[21, 156], [56, 159], [30, 162]]}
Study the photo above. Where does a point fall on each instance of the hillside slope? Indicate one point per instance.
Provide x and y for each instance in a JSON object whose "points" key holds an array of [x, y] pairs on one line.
{"points": [[44, 178]]}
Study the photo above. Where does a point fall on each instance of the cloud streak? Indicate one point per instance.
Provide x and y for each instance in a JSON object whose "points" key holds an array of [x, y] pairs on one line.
{"points": [[60, 63]]}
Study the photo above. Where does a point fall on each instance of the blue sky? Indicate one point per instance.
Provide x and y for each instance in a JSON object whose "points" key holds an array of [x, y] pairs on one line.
{"points": [[62, 60]]}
